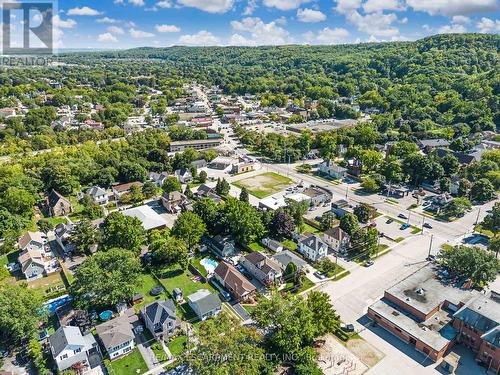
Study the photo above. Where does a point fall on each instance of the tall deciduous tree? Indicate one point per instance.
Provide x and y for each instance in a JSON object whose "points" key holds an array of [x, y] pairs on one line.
{"points": [[281, 225], [244, 195], [349, 223], [189, 227], [84, 236], [170, 251], [123, 231], [242, 220], [171, 184], [106, 278], [482, 191]]}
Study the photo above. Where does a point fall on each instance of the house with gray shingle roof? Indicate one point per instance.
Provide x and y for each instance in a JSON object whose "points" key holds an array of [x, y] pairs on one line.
{"points": [[205, 304], [69, 347], [117, 336], [313, 248], [98, 195], [159, 317], [264, 269], [285, 257]]}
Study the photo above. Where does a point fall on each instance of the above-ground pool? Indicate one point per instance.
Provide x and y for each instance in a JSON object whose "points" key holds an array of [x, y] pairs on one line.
{"points": [[209, 264], [53, 305]]}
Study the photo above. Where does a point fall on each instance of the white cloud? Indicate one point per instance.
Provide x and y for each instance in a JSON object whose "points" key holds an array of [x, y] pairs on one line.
{"points": [[167, 28], [284, 4], [106, 20], [327, 36], [250, 8], [63, 24], [487, 25], [83, 11], [310, 15], [380, 5], [201, 38], [164, 4], [240, 40], [347, 6], [453, 28], [454, 7], [139, 3], [261, 33], [115, 30], [377, 24], [462, 20], [210, 6], [107, 38], [138, 34]]}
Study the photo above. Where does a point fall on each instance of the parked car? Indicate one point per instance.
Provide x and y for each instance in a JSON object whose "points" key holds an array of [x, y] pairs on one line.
{"points": [[431, 258], [369, 263], [347, 327], [427, 225], [389, 221], [404, 226], [319, 275], [402, 216]]}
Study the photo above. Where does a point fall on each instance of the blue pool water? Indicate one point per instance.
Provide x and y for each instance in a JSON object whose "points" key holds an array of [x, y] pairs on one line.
{"points": [[53, 305], [106, 315], [209, 264]]}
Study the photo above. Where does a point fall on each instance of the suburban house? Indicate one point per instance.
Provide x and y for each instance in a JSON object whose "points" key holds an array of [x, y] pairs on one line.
{"points": [[272, 245], [205, 304], [340, 208], [329, 168], [7, 112], [62, 233], [317, 195], [58, 205], [116, 335], [32, 255], [149, 218], [264, 269], [204, 191], [354, 167], [286, 257], [157, 178], [337, 239], [71, 350], [98, 195], [427, 145], [174, 202], [313, 248], [198, 164], [221, 246], [159, 317], [184, 175], [232, 279], [121, 189], [433, 314]]}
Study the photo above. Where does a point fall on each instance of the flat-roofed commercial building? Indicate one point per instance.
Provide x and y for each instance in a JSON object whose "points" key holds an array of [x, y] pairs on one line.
{"points": [[203, 144]]}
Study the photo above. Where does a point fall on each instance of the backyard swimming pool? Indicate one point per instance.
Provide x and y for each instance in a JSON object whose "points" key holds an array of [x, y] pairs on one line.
{"points": [[53, 305], [209, 264]]}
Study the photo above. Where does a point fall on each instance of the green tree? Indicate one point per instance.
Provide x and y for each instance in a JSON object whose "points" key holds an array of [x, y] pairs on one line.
{"points": [[123, 231], [207, 210], [450, 164], [323, 313], [35, 351], [491, 221], [189, 227], [464, 187], [472, 262], [281, 225], [296, 210], [105, 279], [349, 223], [18, 201], [364, 212], [131, 172], [457, 207], [242, 220], [149, 189], [328, 220], [170, 251], [445, 184], [370, 185], [202, 177], [171, 184], [84, 236], [222, 188], [244, 195], [19, 312], [482, 191], [494, 245], [225, 348], [91, 210]]}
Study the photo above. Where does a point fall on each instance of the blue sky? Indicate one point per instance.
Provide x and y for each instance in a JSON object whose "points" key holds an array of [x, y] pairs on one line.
{"points": [[133, 23]]}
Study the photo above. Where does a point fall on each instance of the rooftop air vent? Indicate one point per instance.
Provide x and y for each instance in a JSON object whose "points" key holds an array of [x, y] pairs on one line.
{"points": [[420, 291]]}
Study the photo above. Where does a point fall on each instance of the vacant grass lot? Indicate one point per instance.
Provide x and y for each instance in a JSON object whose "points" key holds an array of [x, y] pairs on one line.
{"points": [[264, 184]]}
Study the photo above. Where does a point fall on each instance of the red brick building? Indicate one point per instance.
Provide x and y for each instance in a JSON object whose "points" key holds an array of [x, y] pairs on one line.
{"points": [[433, 315]]}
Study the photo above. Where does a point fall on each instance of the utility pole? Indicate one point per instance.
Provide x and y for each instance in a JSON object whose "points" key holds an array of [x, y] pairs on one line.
{"points": [[346, 191], [430, 246], [409, 215], [477, 218]]}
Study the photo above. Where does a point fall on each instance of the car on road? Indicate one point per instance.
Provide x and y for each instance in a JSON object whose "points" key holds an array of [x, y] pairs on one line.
{"points": [[369, 263], [402, 216], [319, 275], [404, 226], [427, 225]]}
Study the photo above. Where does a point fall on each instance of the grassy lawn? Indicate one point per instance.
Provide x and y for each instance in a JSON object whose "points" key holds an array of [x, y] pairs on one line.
{"points": [[47, 284], [264, 184], [339, 277], [255, 246], [177, 278], [177, 346], [196, 262], [486, 232], [129, 365], [160, 354], [56, 220], [308, 228], [249, 308], [391, 201], [305, 285], [289, 244], [146, 283]]}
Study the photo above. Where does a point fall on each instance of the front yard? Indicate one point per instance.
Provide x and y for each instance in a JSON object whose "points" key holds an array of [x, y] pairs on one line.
{"points": [[131, 364], [178, 345], [265, 184]]}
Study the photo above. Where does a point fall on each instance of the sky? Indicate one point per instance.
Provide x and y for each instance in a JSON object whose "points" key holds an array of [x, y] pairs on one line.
{"points": [[119, 24]]}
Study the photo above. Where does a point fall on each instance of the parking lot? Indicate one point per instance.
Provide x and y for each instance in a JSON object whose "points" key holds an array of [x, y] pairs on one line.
{"points": [[391, 228]]}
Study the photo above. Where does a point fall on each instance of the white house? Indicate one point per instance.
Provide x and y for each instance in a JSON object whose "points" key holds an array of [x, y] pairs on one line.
{"points": [[117, 336], [205, 304], [337, 239], [32, 255], [70, 348], [333, 170], [98, 195], [313, 248]]}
